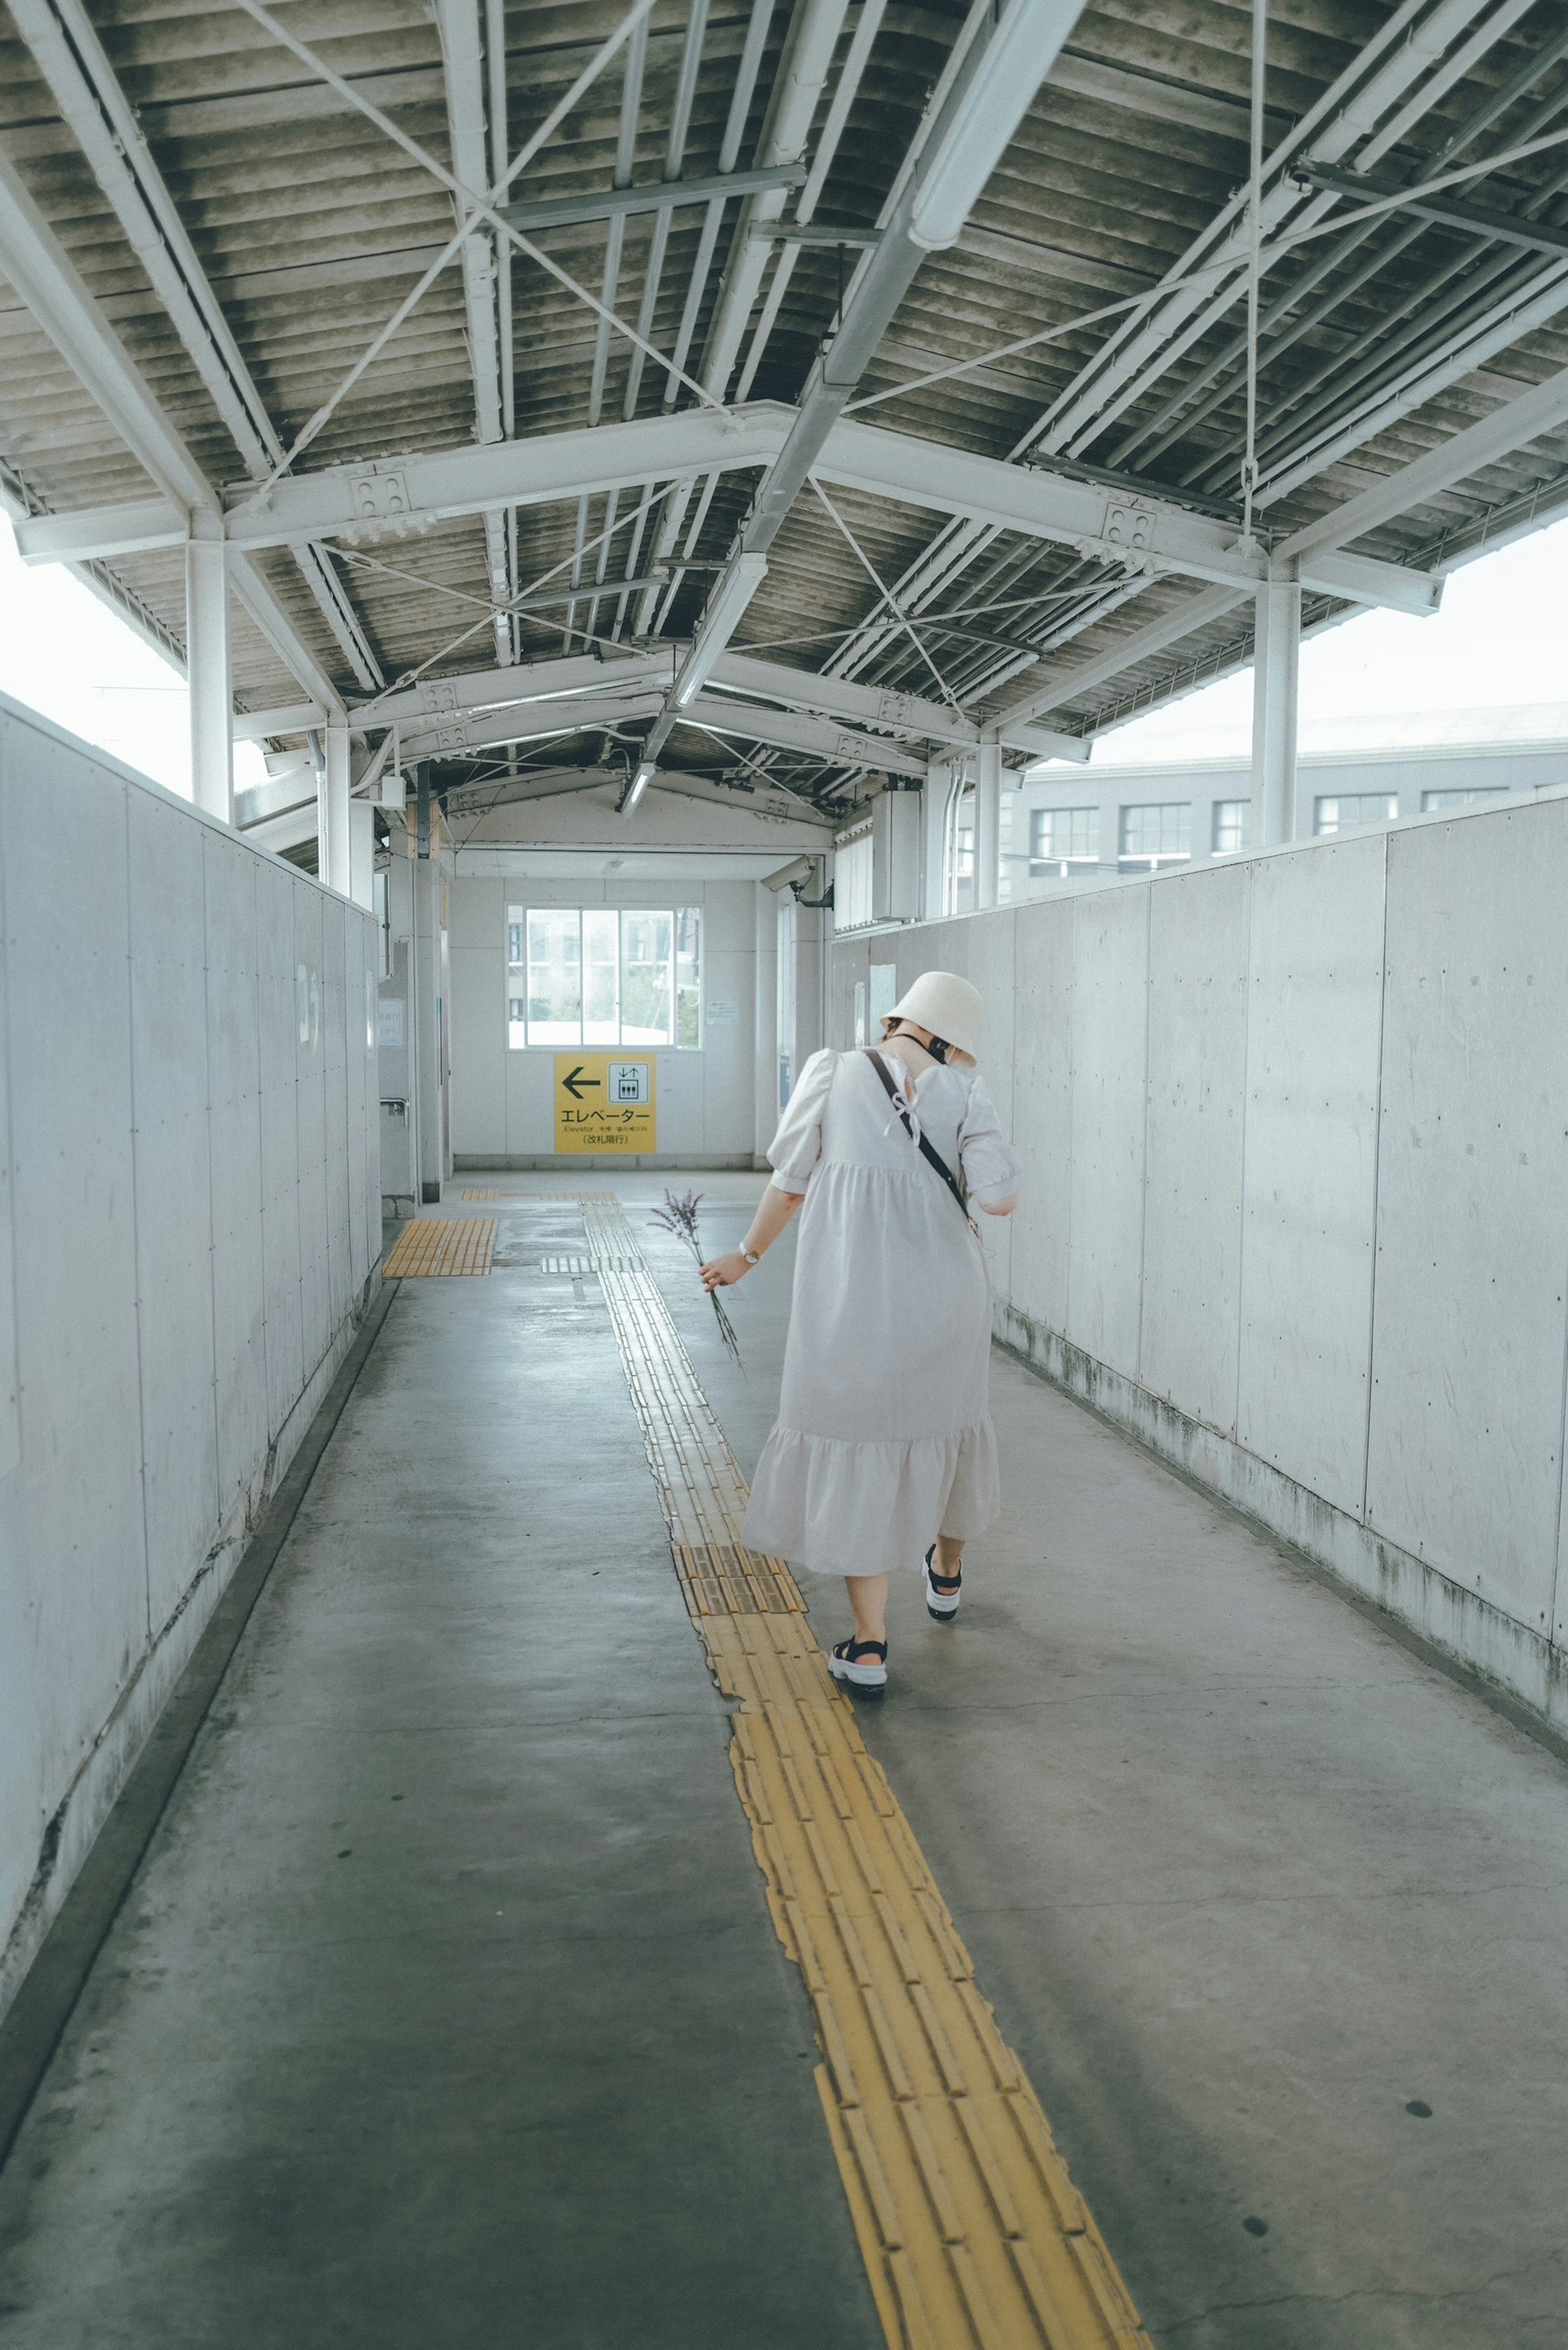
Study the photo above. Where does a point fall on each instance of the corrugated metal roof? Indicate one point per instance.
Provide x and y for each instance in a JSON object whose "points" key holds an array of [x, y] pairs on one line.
{"points": [[311, 225]]}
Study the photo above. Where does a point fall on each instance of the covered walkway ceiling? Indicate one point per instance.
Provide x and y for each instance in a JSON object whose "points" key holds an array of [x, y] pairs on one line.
{"points": [[748, 384]]}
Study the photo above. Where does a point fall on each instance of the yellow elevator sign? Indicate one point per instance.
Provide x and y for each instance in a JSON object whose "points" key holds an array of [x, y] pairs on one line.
{"points": [[605, 1101]]}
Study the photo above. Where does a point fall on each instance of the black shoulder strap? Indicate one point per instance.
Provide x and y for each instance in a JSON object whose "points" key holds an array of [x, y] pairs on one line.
{"points": [[933, 1158]]}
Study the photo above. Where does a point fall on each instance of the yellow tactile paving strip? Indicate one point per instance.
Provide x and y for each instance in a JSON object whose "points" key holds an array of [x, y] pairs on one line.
{"points": [[480, 1195], [974, 2236], [433, 1244]]}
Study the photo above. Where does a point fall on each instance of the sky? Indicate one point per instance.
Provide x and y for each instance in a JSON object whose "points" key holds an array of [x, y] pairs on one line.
{"points": [[66, 655], [1499, 645]]}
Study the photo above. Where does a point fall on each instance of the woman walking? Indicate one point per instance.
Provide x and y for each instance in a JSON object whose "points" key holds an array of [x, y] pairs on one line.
{"points": [[883, 1454]]}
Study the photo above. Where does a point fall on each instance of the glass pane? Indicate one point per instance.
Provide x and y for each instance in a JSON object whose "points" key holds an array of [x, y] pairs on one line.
{"points": [[516, 1022], [555, 976], [688, 978], [514, 937], [647, 974], [602, 975]]}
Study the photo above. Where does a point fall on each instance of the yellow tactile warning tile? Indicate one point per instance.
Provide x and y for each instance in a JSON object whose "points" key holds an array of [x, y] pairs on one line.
{"points": [[431, 1244], [480, 1195], [973, 2234]]}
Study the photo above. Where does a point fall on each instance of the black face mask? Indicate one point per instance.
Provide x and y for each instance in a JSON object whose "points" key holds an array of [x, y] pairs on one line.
{"points": [[938, 1048]]}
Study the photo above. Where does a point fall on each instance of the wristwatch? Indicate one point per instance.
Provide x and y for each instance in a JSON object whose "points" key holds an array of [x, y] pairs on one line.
{"points": [[751, 1256]]}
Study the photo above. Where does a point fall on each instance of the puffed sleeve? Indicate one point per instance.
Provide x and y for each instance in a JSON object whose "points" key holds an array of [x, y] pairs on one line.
{"points": [[797, 1144], [990, 1164]]}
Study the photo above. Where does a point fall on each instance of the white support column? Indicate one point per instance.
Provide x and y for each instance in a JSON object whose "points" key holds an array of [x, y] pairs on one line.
{"points": [[361, 853], [934, 842], [765, 1021], [1276, 668], [207, 673], [333, 854], [988, 823]]}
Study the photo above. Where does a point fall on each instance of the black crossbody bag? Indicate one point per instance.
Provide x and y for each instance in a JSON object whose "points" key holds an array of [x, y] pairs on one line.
{"points": [[933, 1158]]}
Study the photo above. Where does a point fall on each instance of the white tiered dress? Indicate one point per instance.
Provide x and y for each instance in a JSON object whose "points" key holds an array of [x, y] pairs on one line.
{"points": [[883, 1438]]}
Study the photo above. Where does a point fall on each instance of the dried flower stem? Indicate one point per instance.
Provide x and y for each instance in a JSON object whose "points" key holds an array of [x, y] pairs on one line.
{"points": [[679, 1217]]}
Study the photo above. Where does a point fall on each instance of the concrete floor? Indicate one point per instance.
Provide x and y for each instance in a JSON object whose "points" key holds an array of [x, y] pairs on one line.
{"points": [[447, 2009]]}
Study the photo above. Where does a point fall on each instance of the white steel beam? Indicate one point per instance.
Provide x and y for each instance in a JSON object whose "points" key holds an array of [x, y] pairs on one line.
{"points": [[462, 52], [1511, 427], [47, 282], [719, 714], [1068, 684], [410, 492], [294, 718], [68, 54], [1138, 534]]}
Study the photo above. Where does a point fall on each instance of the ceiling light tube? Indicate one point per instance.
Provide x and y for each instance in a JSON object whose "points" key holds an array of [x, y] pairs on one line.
{"points": [[639, 784], [720, 621], [999, 92]]}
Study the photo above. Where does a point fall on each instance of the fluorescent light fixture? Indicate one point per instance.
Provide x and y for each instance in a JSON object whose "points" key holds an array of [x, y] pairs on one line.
{"points": [[639, 784], [720, 621], [999, 92]]}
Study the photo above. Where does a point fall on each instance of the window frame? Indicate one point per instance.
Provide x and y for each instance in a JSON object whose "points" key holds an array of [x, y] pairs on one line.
{"points": [[685, 967]]}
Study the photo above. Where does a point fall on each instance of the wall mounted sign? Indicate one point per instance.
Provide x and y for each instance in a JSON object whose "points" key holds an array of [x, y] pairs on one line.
{"points": [[604, 1102]]}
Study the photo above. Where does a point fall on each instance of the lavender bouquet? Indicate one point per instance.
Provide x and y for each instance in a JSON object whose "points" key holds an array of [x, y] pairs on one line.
{"points": [[679, 1217]]}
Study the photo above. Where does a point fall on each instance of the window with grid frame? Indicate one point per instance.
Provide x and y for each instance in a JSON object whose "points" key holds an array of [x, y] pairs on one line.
{"points": [[1232, 826], [602, 976], [1341, 811], [1064, 836], [1156, 830]]}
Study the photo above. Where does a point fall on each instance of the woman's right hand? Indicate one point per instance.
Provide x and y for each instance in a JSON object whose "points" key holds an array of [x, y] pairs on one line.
{"points": [[724, 1271]]}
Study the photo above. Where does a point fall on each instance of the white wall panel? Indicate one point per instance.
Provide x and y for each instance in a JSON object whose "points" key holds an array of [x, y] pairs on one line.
{"points": [[340, 1285], [1110, 1036], [478, 1045], [1197, 1081], [359, 1040], [1314, 1031], [1465, 1458], [1042, 1112], [151, 1157], [83, 1561], [278, 1000], [234, 1156], [310, 1093]]}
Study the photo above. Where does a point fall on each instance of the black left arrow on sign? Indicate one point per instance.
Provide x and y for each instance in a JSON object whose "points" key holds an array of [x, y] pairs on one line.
{"points": [[577, 1081]]}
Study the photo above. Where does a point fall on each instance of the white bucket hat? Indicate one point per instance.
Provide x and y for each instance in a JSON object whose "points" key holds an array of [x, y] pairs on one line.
{"points": [[945, 1005]]}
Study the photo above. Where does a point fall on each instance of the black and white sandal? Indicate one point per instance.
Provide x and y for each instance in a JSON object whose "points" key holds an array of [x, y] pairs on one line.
{"points": [[944, 1592], [844, 1662]]}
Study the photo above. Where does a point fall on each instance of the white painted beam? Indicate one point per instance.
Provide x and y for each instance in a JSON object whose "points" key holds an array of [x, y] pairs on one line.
{"points": [[1508, 428], [46, 280], [988, 824], [333, 855], [412, 493], [796, 730], [1066, 685], [294, 718]]}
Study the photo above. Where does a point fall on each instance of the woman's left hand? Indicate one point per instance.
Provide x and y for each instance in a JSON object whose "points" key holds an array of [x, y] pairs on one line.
{"points": [[725, 1270]]}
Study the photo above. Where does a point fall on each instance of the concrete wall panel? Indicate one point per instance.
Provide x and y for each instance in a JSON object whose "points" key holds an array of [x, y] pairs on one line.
{"points": [[358, 1028], [1364, 1075], [1110, 1039], [82, 1564], [310, 1094], [341, 1284], [1465, 1462], [479, 1045], [1197, 1083], [1042, 1112], [234, 1156], [149, 1079], [280, 996], [1314, 1031]]}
